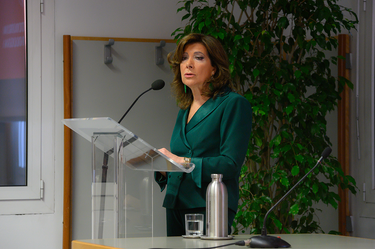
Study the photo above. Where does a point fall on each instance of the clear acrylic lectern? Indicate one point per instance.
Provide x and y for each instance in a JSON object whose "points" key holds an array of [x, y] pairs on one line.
{"points": [[123, 167]]}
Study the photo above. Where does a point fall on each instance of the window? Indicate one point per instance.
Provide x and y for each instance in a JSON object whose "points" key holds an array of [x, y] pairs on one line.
{"points": [[30, 127], [13, 97]]}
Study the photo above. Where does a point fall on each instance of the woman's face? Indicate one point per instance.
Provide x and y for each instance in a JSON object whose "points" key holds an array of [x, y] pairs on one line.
{"points": [[195, 66]]}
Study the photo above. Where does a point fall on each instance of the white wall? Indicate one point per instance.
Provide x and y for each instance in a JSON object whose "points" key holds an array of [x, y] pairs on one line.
{"points": [[362, 147]]}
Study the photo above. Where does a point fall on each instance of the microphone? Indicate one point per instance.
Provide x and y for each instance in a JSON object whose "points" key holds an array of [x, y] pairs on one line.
{"points": [[156, 85], [326, 152], [265, 241]]}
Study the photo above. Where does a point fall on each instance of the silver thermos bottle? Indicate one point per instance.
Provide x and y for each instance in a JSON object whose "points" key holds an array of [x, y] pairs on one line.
{"points": [[217, 208]]}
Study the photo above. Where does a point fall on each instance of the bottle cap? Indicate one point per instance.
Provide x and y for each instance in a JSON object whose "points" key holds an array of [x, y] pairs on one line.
{"points": [[217, 176]]}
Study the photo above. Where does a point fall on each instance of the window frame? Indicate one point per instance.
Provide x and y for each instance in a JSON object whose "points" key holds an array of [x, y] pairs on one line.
{"points": [[40, 146]]}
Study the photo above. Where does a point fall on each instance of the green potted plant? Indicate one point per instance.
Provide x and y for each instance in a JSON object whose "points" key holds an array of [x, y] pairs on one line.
{"points": [[276, 52]]}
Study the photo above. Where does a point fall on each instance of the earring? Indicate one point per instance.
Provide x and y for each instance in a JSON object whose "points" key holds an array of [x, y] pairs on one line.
{"points": [[185, 88]]}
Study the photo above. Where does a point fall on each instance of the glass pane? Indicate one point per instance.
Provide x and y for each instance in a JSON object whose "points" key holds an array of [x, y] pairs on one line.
{"points": [[13, 94]]}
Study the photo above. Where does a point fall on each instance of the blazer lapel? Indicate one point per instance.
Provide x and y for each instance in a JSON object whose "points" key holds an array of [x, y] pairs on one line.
{"points": [[205, 110], [184, 131]]}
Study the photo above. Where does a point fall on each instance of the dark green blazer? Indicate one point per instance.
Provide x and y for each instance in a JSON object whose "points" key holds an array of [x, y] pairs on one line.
{"points": [[216, 139]]}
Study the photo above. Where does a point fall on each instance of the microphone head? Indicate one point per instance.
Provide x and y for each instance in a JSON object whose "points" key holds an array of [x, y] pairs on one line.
{"points": [[326, 152], [157, 84]]}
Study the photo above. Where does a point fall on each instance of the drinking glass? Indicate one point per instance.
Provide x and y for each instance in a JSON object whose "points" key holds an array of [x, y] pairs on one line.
{"points": [[194, 224]]}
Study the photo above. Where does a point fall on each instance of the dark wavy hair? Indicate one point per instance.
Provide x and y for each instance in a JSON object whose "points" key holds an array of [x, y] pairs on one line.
{"points": [[219, 60]]}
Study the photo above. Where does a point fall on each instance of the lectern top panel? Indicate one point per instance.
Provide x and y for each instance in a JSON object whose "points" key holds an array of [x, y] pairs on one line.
{"points": [[108, 135]]}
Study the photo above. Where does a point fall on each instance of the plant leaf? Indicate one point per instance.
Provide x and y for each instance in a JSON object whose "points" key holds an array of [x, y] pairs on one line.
{"points": [[295, 170], [297, 73], [256, 72], [294, 209], [315, 188], [289, 109]]}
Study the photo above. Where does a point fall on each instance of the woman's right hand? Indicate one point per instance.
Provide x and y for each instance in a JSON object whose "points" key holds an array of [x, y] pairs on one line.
{"points": [[175, 158], [172, 156], [163, 173]]}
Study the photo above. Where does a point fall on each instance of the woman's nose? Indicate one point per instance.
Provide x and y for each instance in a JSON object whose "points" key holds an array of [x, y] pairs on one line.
{"points": [[189, 63]]}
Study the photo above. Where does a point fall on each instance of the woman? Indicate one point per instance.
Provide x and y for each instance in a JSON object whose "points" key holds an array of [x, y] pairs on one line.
{"points": [[212, 130]]}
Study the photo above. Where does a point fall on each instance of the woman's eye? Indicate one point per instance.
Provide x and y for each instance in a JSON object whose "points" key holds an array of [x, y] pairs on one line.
{"points": [[183, 58], [199, 58]]}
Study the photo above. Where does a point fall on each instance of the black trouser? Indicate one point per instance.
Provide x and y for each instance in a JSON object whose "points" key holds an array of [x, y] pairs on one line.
{"points": [[176, 220]]}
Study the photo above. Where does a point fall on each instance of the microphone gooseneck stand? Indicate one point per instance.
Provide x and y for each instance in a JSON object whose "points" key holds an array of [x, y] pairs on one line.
{"points": [[265, 241], [156, 85]]}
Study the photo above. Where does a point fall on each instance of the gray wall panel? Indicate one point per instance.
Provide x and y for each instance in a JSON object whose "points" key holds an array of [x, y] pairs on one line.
{"points": [[101, 90]]}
